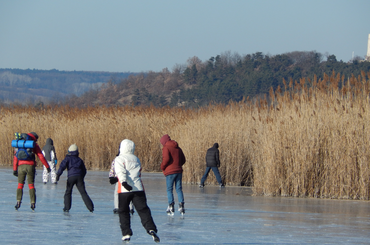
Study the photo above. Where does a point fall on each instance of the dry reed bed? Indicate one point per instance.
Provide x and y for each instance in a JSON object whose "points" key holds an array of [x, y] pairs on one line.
{"points": [[309, 141]]}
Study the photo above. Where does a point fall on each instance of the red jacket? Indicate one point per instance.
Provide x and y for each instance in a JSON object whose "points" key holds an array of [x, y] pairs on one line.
{"points": [[37, 151], [172, 158]]}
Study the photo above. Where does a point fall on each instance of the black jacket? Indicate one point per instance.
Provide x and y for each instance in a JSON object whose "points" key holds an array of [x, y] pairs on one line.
{"points": [[49, 146], [212, 156]]}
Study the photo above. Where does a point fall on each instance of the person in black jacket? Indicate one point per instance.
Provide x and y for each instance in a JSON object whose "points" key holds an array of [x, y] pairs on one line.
{"points": [[76, 174], [213, 162]]}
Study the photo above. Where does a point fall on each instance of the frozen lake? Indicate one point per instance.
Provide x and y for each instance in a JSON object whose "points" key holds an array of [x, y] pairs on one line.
{"points": [[213, 216]]}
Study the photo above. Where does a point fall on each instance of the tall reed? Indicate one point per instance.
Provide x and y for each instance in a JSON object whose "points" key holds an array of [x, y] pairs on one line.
{"points": [[309, 139]]}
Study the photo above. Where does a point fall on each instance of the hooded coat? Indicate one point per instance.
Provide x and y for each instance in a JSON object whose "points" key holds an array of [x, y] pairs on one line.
{"points": [[48, 148], [128, 167], [213, 156], [172, 156]]}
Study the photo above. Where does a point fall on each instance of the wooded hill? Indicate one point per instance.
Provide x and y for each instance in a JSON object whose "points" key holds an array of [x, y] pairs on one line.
{"points": [[220, 79], [226, 77]]}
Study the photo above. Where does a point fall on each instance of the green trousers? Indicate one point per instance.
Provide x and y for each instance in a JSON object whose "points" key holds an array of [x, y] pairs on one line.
{"points": [[29, 172]]}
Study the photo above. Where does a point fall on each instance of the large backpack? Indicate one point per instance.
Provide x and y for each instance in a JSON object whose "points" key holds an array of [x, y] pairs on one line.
{"points": [[23, 145]]}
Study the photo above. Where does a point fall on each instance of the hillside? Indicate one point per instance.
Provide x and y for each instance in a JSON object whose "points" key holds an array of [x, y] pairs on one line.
{"points": [[32, 86], [226, 77], [220, 79]]}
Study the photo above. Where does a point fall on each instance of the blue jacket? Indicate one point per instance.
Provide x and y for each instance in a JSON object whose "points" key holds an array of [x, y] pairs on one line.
{"points": [[73, 164]]}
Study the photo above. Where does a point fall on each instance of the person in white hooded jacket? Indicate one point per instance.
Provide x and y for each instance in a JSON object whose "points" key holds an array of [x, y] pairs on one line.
{"points": [[128, 170], [113, 180]]}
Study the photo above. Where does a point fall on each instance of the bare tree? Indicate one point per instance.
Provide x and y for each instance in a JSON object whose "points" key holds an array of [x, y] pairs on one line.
{"points": [[195, 61]]}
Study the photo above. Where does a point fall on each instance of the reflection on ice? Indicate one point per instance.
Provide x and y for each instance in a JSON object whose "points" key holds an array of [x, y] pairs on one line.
{"points": [[213, 216]]}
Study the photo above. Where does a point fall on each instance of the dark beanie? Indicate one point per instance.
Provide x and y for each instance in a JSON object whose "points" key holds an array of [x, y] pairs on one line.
{"points": [[164, 139], [34, 134], [215, 145]]}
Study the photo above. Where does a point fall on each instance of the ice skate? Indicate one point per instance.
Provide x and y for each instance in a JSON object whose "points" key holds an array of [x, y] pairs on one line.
{"points": [[126, 238], [18, 205], [33, 206], [182, 208], [170, 209], [154, 235], [201, 186]]}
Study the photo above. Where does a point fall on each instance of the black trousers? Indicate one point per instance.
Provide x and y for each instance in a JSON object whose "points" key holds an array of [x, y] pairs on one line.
{"points": [[138, 199], [79, 182]]}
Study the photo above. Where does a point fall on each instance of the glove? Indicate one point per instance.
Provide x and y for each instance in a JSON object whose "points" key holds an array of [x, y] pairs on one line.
{"points": [[113, 180], [127, 186], [55, 162], [49, 170], [15, 173], [57, 178]]}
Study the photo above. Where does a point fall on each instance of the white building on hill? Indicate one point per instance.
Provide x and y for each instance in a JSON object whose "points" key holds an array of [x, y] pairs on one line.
{"points": [[368, 49]]}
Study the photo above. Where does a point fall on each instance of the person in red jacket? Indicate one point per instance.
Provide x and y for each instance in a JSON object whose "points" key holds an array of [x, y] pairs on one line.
{"points": [[26, 168], [172, 160]]}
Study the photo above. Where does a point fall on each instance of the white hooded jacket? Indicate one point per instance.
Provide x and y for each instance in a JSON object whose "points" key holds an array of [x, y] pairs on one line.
{"points": [[128, 167]]}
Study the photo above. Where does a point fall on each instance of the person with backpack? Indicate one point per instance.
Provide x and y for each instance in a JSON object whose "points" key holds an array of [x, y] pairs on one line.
{"points": [[130, 189], [24, 166], [76, 174], [49, 153], [172, 161], [212, 162]]}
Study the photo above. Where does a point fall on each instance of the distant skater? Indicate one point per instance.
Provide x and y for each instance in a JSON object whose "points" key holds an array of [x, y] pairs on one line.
{"points": [[212, 162], [26, 167], [128, 169], [76, 174], [172, 161], [49, 153]]}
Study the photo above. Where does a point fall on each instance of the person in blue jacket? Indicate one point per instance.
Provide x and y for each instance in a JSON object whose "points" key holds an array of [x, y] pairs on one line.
{"points": [[76, 174]]}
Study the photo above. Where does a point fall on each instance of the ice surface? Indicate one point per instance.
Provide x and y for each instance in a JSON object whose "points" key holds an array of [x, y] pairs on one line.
{"points": [[213, 216]]}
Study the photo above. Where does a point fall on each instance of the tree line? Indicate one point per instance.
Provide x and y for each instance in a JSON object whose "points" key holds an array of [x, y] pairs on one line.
{"points": [[220, 79]]}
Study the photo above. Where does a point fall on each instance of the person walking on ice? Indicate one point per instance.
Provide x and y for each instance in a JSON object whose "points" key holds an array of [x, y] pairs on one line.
{"points": [[49, 153], [212, 162], [172, 161], [26, 167], [76, 174], [128, 170]]}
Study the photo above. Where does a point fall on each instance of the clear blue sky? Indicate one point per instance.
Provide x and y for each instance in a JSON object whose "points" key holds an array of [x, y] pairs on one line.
{"points": [[140, 36]]}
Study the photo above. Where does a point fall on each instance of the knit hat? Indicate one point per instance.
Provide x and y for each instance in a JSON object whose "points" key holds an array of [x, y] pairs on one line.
{"points": [[164, 139], [34, 134], [73, 147]]}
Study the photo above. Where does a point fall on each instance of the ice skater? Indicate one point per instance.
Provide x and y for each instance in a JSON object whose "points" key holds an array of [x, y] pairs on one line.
{"points": [[212, 162], [128, 170], [49, 153], [26, 167], [113, 180], [172, 161], [76, 174]]}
